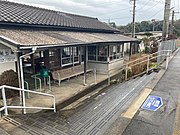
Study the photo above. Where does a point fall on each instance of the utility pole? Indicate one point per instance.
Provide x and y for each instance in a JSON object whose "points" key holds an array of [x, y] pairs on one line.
{"points": [[133, 25], [153, 22], [166, 19], [172, 23], [134, 15]]}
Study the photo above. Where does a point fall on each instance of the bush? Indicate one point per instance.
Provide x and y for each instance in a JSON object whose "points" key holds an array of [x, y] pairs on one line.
{"points": [[139, 68], [154, 65], [10, 78]]}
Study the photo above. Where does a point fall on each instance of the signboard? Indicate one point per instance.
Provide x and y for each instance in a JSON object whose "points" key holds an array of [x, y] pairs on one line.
{"points": [[152, 103]]}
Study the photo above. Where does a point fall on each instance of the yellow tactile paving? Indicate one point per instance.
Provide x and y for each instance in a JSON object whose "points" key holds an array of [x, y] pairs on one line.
{"points": [[131, 111], [176, 130]]}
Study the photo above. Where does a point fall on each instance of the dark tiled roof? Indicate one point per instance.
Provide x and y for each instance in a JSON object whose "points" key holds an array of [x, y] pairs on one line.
{"points": [[16, 13]]}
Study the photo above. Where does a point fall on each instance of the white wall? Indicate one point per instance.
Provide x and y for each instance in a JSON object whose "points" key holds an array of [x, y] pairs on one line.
{"points": [[7, 60], [103, 68], [7, 66], [100, 67], [114, 66]]}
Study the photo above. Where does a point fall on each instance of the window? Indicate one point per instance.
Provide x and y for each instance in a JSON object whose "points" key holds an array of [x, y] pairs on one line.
{"points": [[70, 55], [102, 53], [54, 58], [98, 53], [92, 53], [76, 54], [115, 52]]}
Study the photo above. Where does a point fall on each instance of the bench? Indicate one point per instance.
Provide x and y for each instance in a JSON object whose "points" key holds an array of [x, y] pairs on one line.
{"points": [[68, 73]]}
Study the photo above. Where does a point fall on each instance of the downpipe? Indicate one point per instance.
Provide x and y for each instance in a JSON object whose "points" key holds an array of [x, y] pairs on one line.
{"points": [[22, 95]]}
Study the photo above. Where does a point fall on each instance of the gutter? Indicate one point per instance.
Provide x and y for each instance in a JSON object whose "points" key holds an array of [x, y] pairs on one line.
{"points": [[73, 44]]}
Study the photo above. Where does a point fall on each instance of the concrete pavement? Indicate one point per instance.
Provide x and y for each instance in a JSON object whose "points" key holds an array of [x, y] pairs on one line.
{"points": [[166, 120], [94, 117]]}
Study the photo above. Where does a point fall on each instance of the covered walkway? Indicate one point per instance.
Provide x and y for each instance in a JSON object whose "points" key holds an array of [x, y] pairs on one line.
{"points": [[68, 90]]}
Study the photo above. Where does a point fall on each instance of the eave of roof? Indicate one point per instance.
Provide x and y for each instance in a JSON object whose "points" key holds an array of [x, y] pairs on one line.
{"points": [[26, 39]]}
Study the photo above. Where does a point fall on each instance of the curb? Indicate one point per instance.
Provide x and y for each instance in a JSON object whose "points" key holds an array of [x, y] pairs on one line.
{"points": [[151, 85], [122, 122]]}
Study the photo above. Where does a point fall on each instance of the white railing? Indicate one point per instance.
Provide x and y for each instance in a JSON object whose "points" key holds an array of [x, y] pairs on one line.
{"points": [[24, 107], [35, 82]]}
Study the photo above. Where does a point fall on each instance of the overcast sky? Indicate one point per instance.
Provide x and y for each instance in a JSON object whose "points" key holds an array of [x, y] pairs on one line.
{"points": [[118, 11]]}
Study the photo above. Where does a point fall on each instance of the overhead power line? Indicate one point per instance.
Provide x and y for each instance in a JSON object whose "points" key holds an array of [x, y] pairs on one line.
{"points": [[156, 13], [116, 11], [142, 7], [119, 18], [150, 8]]}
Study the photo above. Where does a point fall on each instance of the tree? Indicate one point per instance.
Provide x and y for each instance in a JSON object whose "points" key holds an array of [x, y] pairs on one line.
{"points": [[143, 26]]}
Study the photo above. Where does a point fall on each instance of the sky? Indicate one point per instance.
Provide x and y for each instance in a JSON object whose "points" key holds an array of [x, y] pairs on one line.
{"points": [[118, 11]]}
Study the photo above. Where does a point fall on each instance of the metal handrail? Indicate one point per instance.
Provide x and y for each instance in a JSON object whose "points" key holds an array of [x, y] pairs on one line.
{"points": [[149, 57], [27, 87], [5, 106], [40, 82]]}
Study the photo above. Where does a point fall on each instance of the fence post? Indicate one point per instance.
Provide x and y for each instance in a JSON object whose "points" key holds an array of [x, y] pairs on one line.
{"points": [[24, 102], [4, 101], [167, 60], [147, 65], [35, 83], [40, 85], [49, 79], [126, 72], [54, 104], [59, 79], [95, 77], [27, 87], [109, 78]]}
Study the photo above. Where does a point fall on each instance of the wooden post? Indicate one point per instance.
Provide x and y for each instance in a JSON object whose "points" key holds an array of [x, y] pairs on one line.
{"points": [[147, 65], [123, 50], [108, 61], [18, 68], [60, 58], [130, 50], [126, 72], [32, 63], [46, 59]]}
